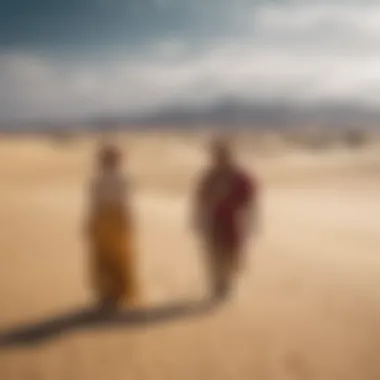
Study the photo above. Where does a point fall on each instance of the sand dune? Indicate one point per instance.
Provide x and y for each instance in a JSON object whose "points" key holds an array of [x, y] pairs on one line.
{"points": [[308, 304]]}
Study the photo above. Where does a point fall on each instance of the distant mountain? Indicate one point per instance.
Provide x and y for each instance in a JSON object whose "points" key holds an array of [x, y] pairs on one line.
{"points": [[230, 112], [226, 112]]}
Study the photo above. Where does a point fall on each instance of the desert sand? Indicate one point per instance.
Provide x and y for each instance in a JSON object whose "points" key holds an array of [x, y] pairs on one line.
{"points": [[307, 306]]}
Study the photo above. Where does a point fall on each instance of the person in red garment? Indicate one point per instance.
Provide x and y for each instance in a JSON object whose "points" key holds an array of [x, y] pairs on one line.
{"points": [[225, 209]]}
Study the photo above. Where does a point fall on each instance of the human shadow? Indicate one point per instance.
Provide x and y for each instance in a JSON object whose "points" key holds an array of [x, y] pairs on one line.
{"points": [[93, 318]]}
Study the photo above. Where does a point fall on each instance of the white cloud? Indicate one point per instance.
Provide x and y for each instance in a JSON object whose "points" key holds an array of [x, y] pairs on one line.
{"points": [[299, 18], [286, 52]]}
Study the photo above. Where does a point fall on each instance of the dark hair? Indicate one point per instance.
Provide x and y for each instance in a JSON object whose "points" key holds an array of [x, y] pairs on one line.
{"points": [[109, 156], [220, 146]]}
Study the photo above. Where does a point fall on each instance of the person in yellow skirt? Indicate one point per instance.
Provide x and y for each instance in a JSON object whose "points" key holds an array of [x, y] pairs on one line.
{"points": [[110, 233]]}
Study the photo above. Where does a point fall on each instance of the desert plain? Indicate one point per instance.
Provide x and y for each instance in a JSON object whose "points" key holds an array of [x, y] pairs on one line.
{"points": [[307, 305]]}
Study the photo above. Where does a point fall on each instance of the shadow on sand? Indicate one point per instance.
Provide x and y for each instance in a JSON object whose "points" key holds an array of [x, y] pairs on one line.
{"points": [[94, 318]]}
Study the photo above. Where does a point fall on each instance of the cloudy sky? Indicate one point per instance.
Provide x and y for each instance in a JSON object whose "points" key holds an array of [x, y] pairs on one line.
{"points": [[82, 57]]}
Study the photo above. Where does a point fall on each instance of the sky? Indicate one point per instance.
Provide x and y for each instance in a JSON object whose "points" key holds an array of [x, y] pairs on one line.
{"points": [[78, 58]]}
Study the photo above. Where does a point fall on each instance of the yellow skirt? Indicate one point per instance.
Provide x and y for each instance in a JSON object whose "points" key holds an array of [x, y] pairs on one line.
{"points": [[112, 258]]}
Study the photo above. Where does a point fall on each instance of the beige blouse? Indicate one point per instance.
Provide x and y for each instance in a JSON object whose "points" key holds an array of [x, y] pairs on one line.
{"points": [[108, 188]]}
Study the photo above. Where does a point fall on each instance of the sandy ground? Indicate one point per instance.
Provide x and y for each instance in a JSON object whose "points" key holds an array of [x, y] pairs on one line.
{"points": [[308, 304]]}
